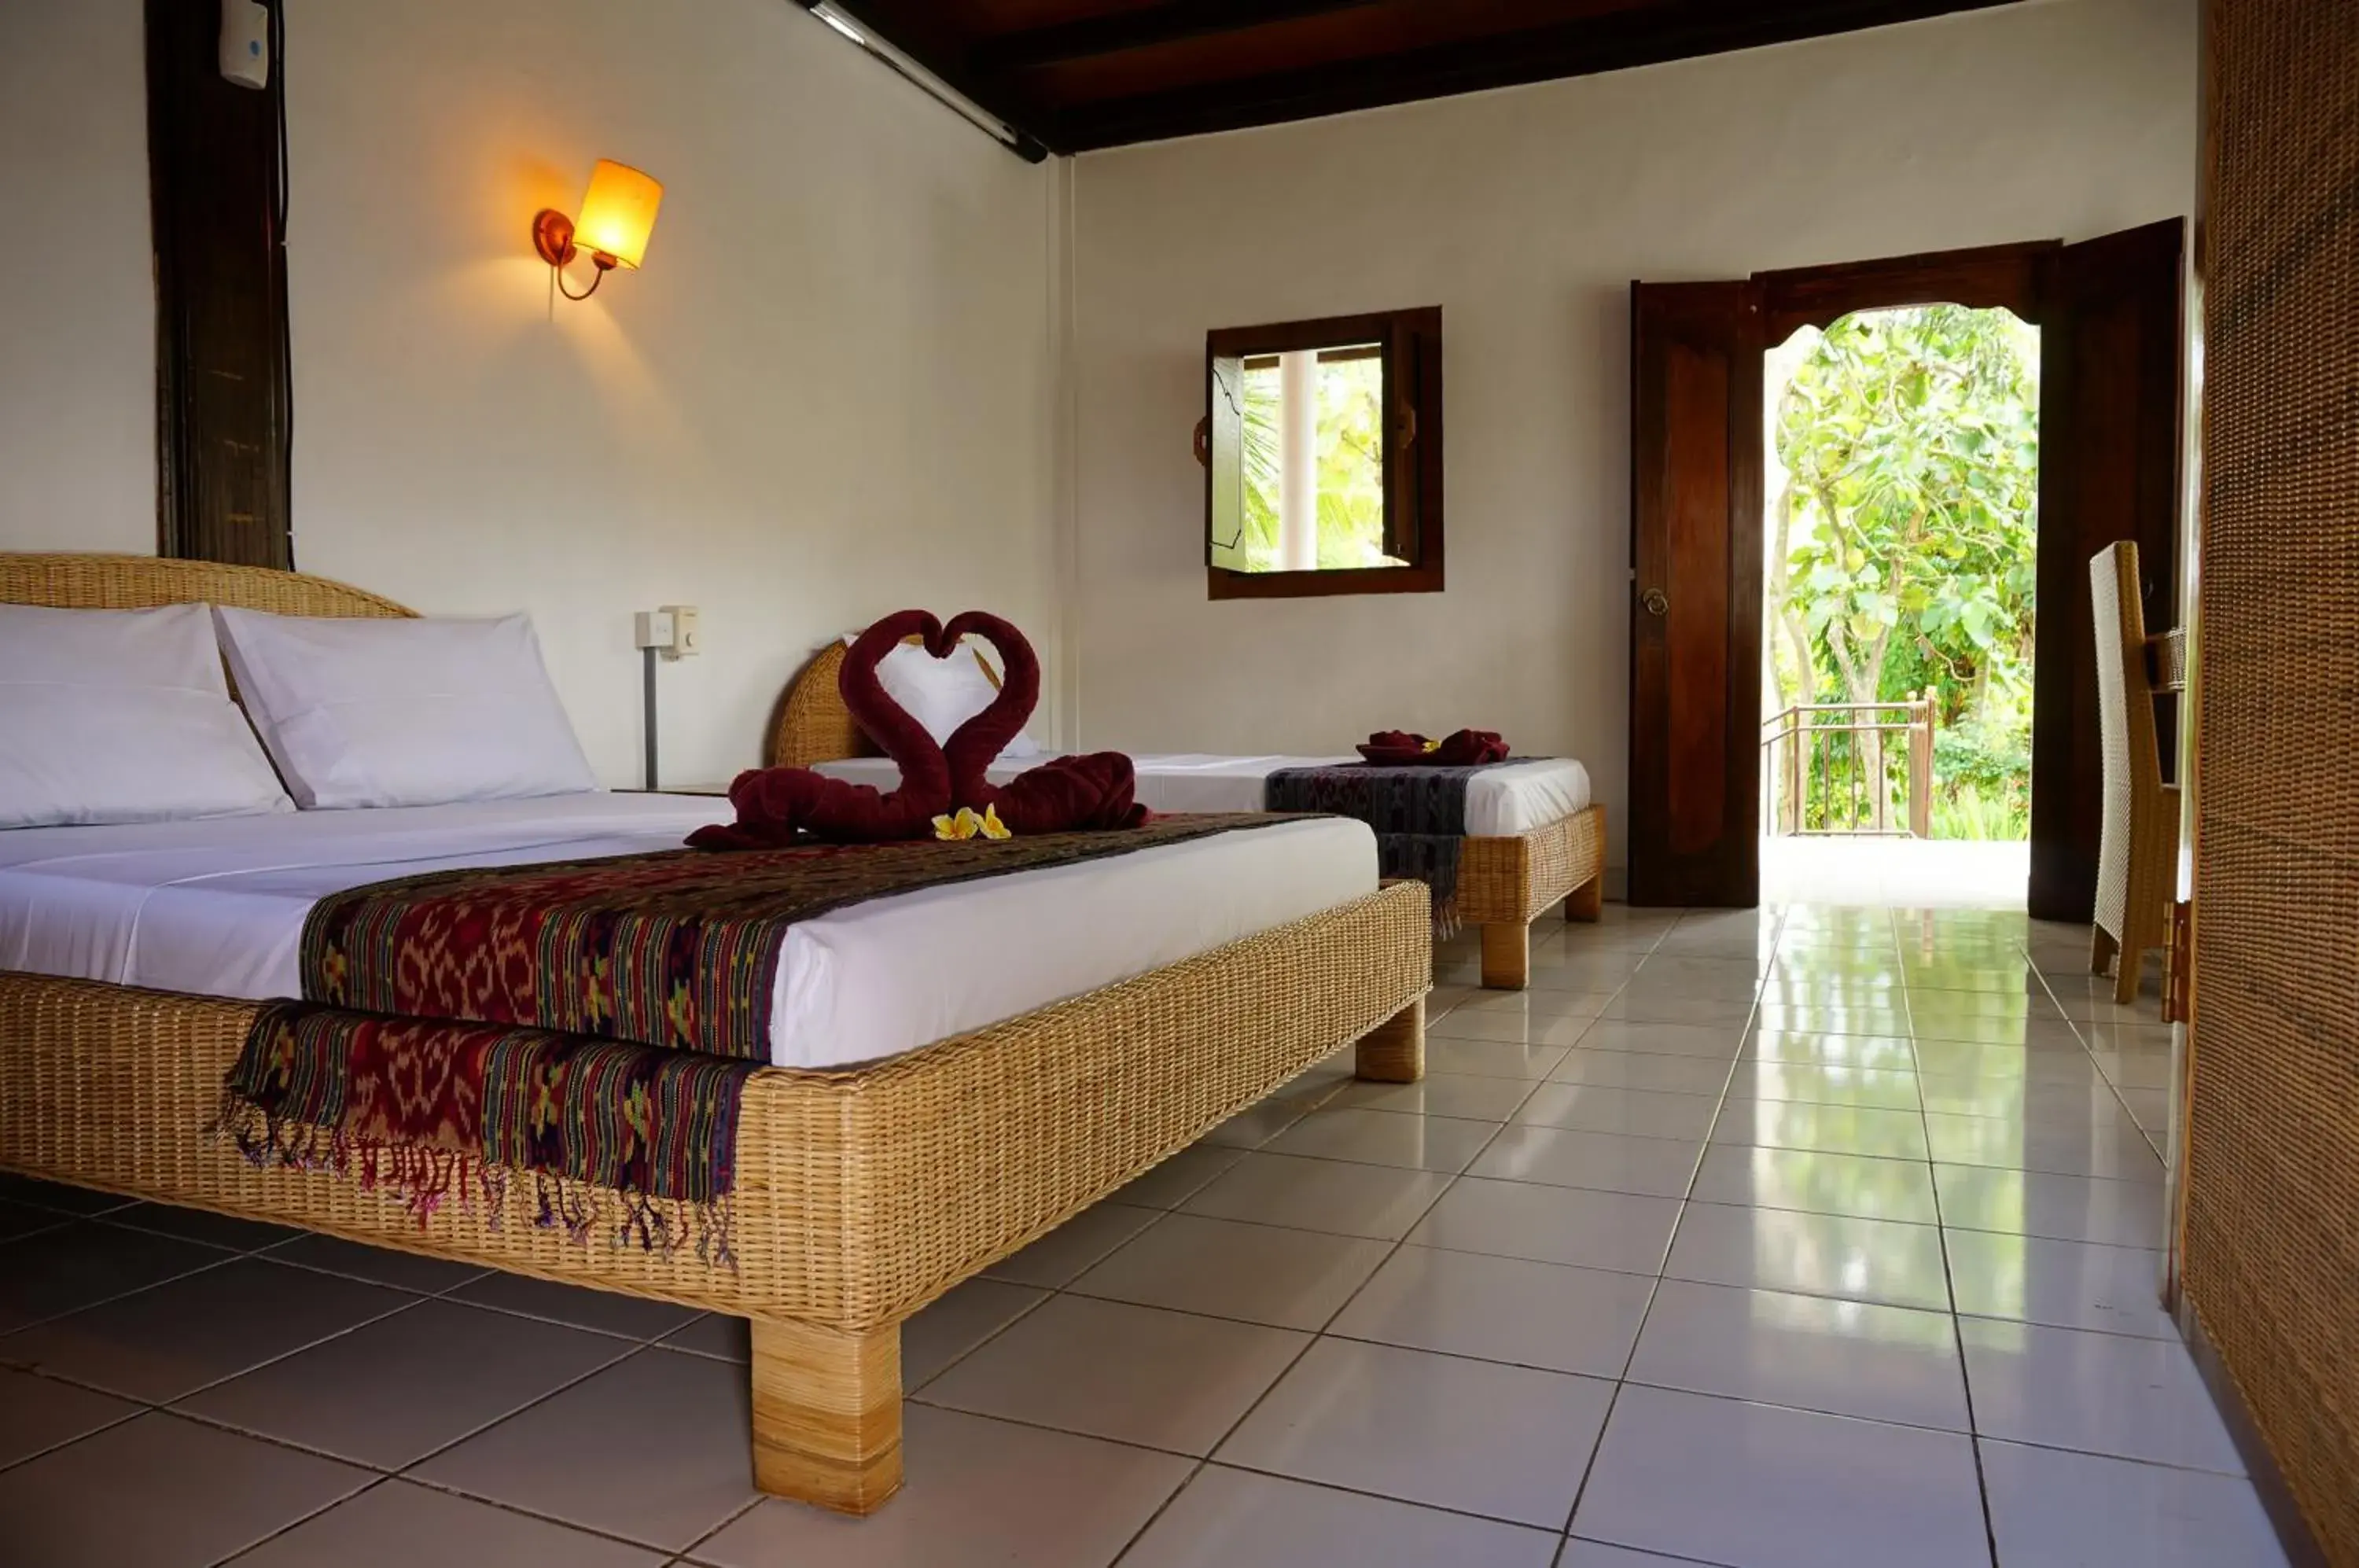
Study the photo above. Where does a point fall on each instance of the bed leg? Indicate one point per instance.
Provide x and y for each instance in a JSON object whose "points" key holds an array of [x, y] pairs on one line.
{"points": [[1507, 956], [1394, 1051], [1586, 902], [826, 1414]]}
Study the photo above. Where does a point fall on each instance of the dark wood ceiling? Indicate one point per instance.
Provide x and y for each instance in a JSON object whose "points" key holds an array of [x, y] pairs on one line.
{"points": [[1077, 74]]}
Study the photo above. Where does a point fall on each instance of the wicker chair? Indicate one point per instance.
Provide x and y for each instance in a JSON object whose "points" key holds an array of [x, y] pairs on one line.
{"points": [[2141, 836]]}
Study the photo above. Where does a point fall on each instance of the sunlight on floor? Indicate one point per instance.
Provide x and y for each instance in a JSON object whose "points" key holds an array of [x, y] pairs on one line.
{"points": [[1946, 874]]}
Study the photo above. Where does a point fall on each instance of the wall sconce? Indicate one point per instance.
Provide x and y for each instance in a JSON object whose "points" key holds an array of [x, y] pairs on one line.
{"points": [[617, 214]]}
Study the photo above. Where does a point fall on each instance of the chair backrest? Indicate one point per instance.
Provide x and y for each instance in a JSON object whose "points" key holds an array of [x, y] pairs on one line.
{"points": [[2125, 694], [2133, 791]]}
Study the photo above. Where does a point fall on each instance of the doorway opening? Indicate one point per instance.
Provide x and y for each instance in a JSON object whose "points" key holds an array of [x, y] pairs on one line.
{"points": [[1900, 519]]}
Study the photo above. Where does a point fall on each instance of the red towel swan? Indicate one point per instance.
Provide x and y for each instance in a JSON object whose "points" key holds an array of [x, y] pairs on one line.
{"points": [[777, 804]]}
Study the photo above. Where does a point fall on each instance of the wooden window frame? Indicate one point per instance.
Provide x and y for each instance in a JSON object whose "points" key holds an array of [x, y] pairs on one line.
{"points": [[1411, 344]]}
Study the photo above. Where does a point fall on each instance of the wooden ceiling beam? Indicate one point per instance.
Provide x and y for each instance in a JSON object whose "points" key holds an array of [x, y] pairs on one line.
{"points": [[1174, 21], [1647, 36]]}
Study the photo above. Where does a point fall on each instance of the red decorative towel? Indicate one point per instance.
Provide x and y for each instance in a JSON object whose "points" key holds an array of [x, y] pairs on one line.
{"points": [[780, 806], [1464, 748]]}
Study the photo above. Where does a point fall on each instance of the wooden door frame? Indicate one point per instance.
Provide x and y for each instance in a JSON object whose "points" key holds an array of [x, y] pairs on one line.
{"points": [[2030, 278]]}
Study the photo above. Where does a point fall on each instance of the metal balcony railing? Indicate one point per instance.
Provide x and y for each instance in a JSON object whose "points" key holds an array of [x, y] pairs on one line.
{"points": [[1830, 770]]}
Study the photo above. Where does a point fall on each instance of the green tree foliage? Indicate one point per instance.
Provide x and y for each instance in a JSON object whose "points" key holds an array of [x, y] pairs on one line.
{"points": [[1350, 466], [1901, 541]]}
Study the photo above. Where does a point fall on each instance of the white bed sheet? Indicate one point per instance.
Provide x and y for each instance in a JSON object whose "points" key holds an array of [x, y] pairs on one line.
{"points": [[216, 907], [1513, 798]]}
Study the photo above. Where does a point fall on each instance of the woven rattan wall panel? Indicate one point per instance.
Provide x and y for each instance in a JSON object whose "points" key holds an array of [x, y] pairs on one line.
{"points": [[2272, 1239]]}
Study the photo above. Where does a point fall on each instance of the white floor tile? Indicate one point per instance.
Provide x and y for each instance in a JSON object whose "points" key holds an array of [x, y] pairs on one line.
{"points": [[2067, 1284], [1816, 1255], [1235, 1519], [1817, 1183], [1836, 1129], [1725, 1482], [1858, 1053], [1850, 1358], [1658, 1071], [1825, 1084], [2076, 1510], [1490, 1058], [1167, 1380], [2110, 1144], [1658, 1167], [1622, 1231], [1372, 1137], [1715, 1041], [1597, 1554], [1440, 1094], [1631, 1113], [2098, 1393], [1502, 1309], [1507, 1443], [1322, 1196], [2068, 1208], [981, 1494], [1259, 1273]]}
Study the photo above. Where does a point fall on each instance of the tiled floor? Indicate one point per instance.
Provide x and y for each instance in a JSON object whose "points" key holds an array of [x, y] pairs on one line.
{"points": [[1812, 1237]]}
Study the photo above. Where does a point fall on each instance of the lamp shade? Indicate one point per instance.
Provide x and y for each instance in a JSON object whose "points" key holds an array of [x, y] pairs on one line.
{"points": [[618, 212]]}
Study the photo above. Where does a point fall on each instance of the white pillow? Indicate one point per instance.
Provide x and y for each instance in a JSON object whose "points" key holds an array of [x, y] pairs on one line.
{"points": [[366, 712], [121, 716], [944, 693]]}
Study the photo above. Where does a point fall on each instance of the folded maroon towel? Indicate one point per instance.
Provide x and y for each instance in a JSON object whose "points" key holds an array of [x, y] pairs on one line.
{"points": [[1463, 748]]}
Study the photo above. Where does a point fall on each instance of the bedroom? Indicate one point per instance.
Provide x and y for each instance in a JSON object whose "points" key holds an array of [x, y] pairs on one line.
{"points": [[874, 360]]}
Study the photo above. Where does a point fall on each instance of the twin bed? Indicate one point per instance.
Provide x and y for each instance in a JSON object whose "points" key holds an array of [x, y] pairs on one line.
{"points": [[948, 1073], [1533, 836]]}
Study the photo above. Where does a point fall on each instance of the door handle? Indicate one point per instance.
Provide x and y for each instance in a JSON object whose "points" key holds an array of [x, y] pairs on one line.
{"points": [[1656, 601]]}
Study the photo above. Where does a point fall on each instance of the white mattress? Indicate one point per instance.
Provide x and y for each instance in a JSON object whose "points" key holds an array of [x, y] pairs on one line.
{"points": [[1513, 798], [217, 907]]}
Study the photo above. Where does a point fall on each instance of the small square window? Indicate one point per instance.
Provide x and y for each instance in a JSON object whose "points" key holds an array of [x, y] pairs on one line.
{"points": [[1321, 449]]}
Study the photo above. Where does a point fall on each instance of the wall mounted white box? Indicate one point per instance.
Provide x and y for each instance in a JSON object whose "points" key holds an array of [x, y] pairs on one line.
{"points": [[245, 43]]}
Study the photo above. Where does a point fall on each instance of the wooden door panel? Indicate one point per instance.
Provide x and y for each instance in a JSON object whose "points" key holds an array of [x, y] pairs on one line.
{"points": [[1696, 392], [2109, 465], [1695, 607]]}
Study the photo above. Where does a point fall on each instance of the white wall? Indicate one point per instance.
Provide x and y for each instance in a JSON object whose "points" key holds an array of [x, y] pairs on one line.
{"points": [[823, 398], [826, 396], [77, 306], [1525, 214]]}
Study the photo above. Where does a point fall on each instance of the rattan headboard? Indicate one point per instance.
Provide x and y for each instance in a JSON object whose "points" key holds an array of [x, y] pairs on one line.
{"points": [[814, 727], [141, 582]]}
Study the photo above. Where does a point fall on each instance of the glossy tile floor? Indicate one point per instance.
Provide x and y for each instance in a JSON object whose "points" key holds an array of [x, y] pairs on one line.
{"points": [[1798, 1239]]}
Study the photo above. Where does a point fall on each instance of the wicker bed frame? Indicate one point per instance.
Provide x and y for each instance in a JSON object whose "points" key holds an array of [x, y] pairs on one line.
{"points": [[1504, 882], [861, 1194]]}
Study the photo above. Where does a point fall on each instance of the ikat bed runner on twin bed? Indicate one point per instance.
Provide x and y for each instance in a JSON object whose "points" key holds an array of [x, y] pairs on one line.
{"points": [[587, 1025], [1417, 811]]}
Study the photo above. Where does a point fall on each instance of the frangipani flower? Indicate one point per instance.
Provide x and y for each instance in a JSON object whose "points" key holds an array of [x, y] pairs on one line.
{"points": [[967, 825]]}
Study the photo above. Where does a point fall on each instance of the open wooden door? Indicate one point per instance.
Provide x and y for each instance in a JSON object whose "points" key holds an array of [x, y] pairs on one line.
{"points": [[1695, 594], [2110, 350]]}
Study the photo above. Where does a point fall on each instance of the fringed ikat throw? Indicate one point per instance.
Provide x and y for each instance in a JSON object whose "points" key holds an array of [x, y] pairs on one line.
{"points": [[588, 1026]]}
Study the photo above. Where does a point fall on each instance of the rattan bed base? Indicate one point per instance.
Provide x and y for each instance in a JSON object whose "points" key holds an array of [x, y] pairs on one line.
{"points": [[1504, 881], [861, 1195]]}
